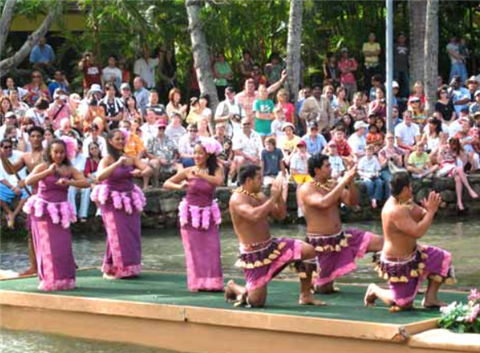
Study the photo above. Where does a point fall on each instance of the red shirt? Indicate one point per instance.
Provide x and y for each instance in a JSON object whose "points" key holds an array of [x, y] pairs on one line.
{"points": [[343, 148], [288, 110], [91, 74], [91, 166]]}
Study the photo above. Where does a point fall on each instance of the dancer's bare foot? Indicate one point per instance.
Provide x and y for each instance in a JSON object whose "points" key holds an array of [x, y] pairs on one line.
{"points": [[326, 289], [109, 277], [460, 206], [370, 296], [473, 194], [432, 303], [310, 300], [10, 220], [31, 271], [230, 295], [374, 204]]}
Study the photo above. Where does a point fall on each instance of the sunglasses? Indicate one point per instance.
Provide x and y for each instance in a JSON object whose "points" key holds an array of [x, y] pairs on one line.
{"points": [[7, 147], [36, 76], [247, 124], [192, 130]]}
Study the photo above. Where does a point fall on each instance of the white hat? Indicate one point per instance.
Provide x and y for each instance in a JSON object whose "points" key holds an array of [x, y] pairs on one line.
{"points": [[96, 88], [359, 125], [395, 84], [288, 125]]}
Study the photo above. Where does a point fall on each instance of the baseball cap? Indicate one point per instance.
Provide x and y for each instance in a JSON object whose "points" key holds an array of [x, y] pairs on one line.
{"points": [[313, 125], [301, 143], [124, 86], [96, 88]]}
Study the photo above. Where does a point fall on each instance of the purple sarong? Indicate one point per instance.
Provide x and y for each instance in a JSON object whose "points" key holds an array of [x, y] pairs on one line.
{"points": [[199, 218], [121, 203], [262, 264], [405, 277], [336, 253], [50, 216]]}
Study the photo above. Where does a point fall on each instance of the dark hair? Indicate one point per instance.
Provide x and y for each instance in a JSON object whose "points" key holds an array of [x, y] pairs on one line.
{"points": [[437, 123], [212, 163], [130, 98], [112, 151], [316, 161], [48, 159], [109, 85], [112, 56], [206, 97], [4, 141], [41, 104], [246, 172], [384, 128], [38, 129], [398, 182], [440, 90], [93, 143]]}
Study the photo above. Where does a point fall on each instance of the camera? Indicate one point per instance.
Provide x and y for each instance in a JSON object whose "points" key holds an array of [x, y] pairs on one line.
{"points": [[236, 117]]}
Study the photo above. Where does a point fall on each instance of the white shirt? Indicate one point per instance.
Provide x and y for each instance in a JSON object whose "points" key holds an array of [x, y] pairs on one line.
{"points": [[38, 118], [12, 179], [454, 127], [336, 163], [367, 168], [186, 146], [175, 133], [276, 128], [108, 72], [22, 92], [79, 162], [407, 133], [148, 131], [102, 145], [2, 132], [251, 146], [357, 144], [146, 70], [299, 164]]}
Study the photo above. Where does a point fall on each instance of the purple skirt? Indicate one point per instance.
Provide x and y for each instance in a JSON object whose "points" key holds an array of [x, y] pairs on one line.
{"points": [[336, 253], [260, 266], [405, 277]]}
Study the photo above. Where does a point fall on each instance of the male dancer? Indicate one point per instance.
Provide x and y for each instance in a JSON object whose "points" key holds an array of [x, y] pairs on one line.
{"points": [[336, 249], [404, 263], [29, 160], [262, 256]]}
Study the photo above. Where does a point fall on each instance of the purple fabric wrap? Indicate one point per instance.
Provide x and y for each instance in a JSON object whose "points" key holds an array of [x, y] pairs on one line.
{"points": [[201, 243], [123, 255]]}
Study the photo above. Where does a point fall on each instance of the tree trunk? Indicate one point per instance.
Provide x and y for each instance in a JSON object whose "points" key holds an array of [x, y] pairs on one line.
{"points": [[294, 47], [431, 55], [15, 60], [7, 15], [417, 13], [201, 57]]}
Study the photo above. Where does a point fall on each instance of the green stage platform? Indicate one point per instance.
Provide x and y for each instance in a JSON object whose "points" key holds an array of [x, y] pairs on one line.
{"points": [[162, 288]]}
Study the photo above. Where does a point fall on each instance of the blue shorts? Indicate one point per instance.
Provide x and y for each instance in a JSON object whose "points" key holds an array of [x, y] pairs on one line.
{"points": [[7, 194]]}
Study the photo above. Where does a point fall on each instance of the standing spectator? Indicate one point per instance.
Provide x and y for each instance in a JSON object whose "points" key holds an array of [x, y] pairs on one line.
{"points": [[318, 108], [223, 74], [444, 105], [390, 154], [36, 89], [273, 70], [186, 145], [287, 107], [112, 73], [59, 81], [271, 161], [419, 164], [277, 125], [113, 106], [174, 105], [263, 109], [144, 67], [246, 65], [371, 51], [347, 67], [369, 171], [141, 94], [92, 72], [400, 64], [229, 112], [457, 61], [42, 56], [407, 133], [472, 86], [315, 142], [330, 69], [460, 95]]}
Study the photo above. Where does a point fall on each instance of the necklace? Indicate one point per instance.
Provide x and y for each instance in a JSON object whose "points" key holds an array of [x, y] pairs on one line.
{"points": [[327, 186], [198, 170], [241, 190]]}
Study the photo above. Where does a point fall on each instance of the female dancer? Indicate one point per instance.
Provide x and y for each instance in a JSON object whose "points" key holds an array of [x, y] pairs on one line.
{"points": [[121, 203], [199, 217], [51, 215]]}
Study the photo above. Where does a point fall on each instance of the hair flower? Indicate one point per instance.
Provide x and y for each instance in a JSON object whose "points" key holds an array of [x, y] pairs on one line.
{"points": [[211, 145]]}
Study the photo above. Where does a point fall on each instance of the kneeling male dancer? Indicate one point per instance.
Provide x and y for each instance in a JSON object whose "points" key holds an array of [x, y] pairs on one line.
{"points": [[336, 248], [404, 262], [262, 257]]}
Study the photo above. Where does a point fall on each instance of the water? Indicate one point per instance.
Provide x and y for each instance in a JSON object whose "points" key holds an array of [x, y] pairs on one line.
{"points": [[162, 249]]}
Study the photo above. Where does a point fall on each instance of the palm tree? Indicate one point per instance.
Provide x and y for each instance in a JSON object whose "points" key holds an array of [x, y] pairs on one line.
{"points": [[294, 47], [431, 55], [417, 14]]}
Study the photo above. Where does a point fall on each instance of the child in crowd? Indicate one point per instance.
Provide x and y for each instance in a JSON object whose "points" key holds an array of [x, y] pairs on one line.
{"points": [[336, 162], [419, 164]]}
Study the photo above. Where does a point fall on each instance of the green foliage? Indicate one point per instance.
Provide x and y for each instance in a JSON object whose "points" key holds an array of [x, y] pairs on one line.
{"points": [[462, 318]]}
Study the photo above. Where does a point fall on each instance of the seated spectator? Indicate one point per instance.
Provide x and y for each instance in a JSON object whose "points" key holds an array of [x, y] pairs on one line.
{"points": [[36, 89], [247, 147], [203, 128], [38, 113], [369, 171], [380, 123], [378, 106], [42, 55], [390, 157], [158, 108], [431, 136], [10, 121], [357, 141], [343, 148], [277, 125], [348, 125], [59, 81], [174, 105], [460, 95], [175, 130], [131, 110], [11, 86], [315, 141], [299, 169], [162, 154], [79, 163], [336, 162], [289, 142], [272, 161], [149, 129], [93, 135], [466, 138], [134, 146], [475, 107], [113, 106], [357, 110], [59, 109], [415, 106], [65, 129], [375, 138], [10, 186], [17, 106], [418, 93], [419, 164], [186, 145], [407, 133], [225, 158], [340, 105]]}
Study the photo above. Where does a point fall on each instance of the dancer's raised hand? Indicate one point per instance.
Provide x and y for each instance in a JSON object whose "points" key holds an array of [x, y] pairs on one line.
{"points": [[433, 202]]}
